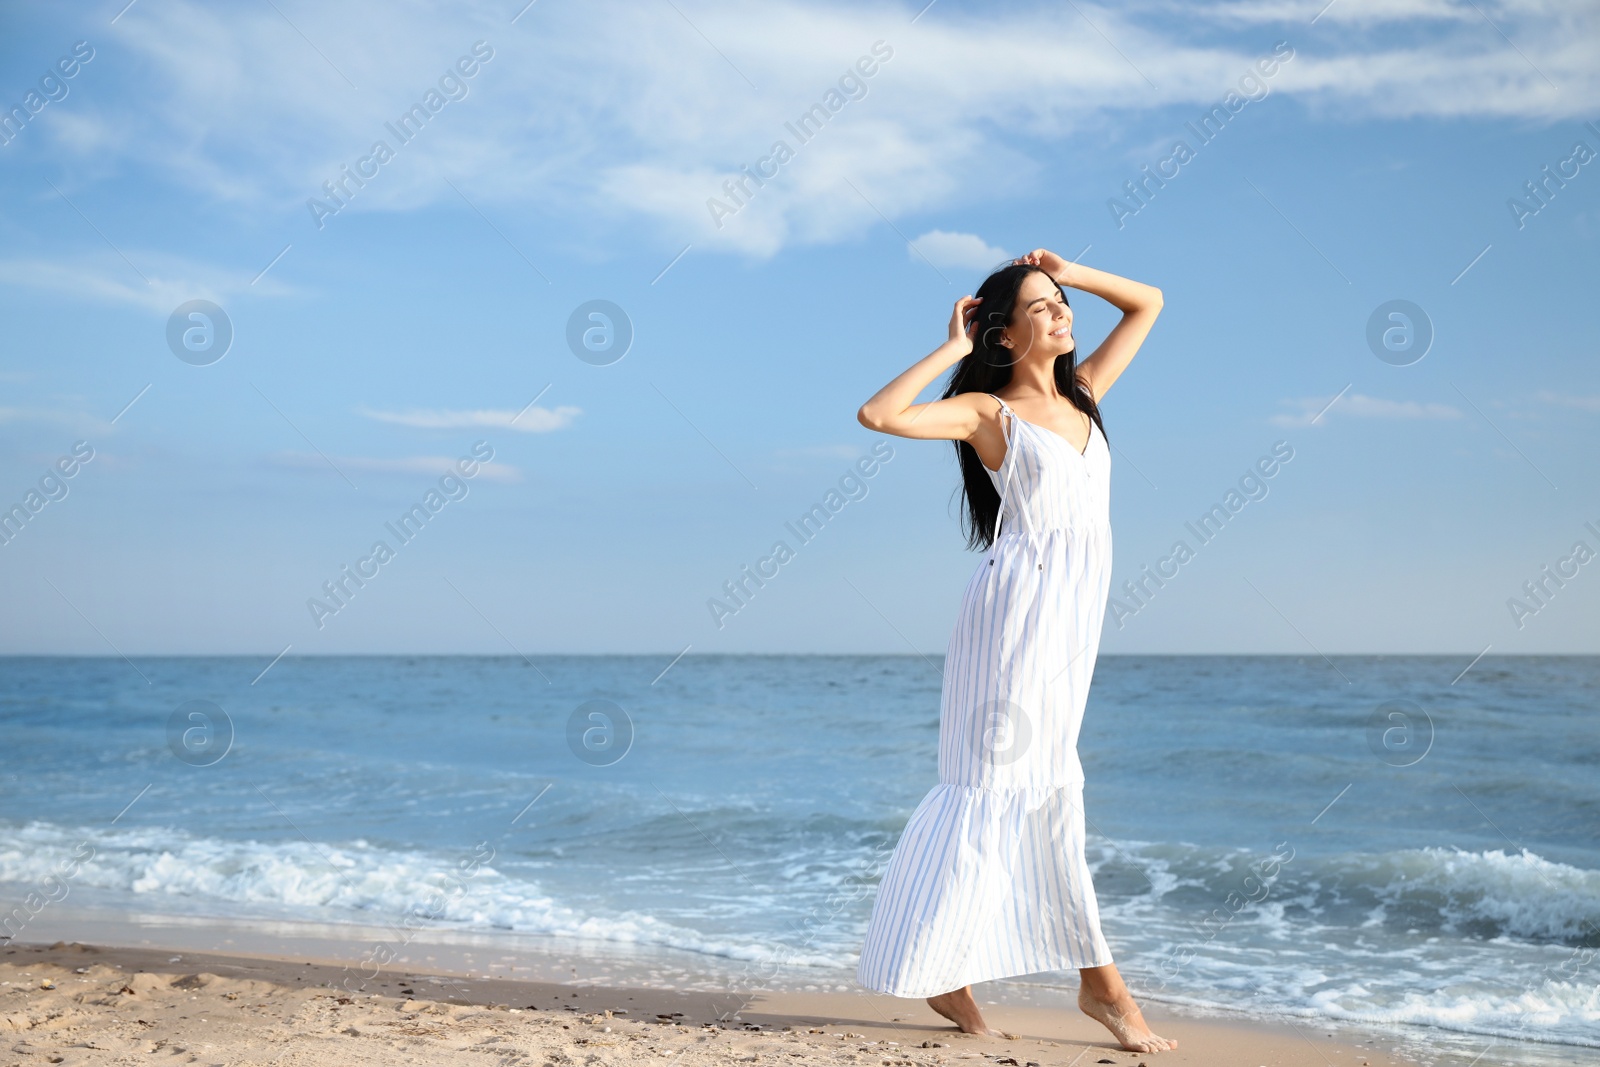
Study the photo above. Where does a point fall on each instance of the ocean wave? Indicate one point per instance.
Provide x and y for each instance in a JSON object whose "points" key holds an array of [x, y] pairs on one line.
{"points": [[1553, 1011], [1478, 895], [352, 881], [1488, 942], [1496, 943], [1490, 894], [1550, 1012]]}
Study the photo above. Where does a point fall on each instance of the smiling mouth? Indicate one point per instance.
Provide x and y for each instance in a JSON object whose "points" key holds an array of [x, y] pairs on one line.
{"points": [[1065, 331]]}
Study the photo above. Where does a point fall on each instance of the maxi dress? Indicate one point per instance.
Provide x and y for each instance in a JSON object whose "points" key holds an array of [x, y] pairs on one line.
{"points": [[989, 878]]}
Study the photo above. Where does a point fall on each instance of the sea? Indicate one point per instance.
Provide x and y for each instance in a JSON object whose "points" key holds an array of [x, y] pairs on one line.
{"points": [[1406, 844]]}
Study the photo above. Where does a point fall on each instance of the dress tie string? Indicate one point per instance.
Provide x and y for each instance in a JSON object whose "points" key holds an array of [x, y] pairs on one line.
{"points": [[1010, 429]]}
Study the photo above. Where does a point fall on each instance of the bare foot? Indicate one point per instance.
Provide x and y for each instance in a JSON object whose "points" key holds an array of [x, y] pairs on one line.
{"points": [[959, 1007], [1122, 1017]]}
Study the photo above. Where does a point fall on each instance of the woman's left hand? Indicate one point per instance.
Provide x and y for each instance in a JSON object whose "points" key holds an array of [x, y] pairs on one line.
{"points": [[1048, 262]]}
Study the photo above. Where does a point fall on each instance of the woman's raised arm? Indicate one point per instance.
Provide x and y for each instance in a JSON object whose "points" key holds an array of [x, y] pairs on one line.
{"points": [[892, 408], [1139, 304]]}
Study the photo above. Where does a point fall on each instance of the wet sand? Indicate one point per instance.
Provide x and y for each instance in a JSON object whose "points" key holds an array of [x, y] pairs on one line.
{"points": [[71, 1003]]}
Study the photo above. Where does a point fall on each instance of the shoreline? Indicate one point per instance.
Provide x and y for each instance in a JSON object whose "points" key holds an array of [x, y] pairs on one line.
{"points": [[498, 967], [286, 991], [95, 1004]]}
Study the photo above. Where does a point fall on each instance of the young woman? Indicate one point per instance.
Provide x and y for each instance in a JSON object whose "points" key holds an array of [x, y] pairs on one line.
{"points": [[989, 878]]}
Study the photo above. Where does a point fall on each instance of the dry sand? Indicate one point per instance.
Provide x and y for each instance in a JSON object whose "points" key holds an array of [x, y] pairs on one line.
{"points": [[80, 1004]]}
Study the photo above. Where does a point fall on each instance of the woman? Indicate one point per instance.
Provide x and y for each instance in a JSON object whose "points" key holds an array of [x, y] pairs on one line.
{"points": [[989, 879]]}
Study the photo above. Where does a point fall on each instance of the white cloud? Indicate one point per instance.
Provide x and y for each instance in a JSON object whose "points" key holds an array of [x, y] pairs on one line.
{"points": [[609, 115], [1570, 400], [75, 421], [431, 466], [529, 420], [1359, 405], [844, 452], [1360, 12], [155, 281], [944, 249]]}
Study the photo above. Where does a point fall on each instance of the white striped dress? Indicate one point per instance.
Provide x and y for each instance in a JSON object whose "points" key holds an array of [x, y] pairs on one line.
{"points": [[989, 878]]}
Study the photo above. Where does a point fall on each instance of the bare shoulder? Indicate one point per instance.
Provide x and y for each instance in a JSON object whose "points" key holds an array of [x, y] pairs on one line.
{"points": [[987, 408], [980, 403]]}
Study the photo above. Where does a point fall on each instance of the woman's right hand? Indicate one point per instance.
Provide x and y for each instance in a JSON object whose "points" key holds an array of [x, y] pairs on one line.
{"points": [[963, 323], [894, 408]]}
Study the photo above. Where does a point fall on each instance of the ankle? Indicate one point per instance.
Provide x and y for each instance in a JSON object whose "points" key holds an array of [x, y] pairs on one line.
{"points": [[1119, 998]]}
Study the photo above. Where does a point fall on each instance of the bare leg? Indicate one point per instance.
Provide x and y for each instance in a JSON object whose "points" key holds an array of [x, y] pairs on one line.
{"points": [[959, 1007], [1105, 998]]}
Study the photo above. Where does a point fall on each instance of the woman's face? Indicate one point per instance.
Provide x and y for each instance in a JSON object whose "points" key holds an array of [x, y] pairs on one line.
{"points": [[1041, 321]]}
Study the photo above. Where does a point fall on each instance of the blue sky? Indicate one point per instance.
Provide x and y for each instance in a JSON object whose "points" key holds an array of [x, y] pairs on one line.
{"points": [[374, 345]]}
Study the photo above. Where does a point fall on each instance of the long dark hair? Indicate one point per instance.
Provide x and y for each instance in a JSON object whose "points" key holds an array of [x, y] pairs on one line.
{"points": [[987, 369]]}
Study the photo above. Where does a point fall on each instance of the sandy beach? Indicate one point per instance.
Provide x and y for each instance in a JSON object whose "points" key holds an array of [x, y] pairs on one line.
{"points": [[73, 1003]]}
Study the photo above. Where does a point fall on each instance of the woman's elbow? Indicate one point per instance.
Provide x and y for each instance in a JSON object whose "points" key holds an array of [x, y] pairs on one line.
{"points": [[869, 418]]}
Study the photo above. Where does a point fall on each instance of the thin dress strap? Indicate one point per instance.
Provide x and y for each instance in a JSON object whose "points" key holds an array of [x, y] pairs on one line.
{"points": [[1009, 428]]}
